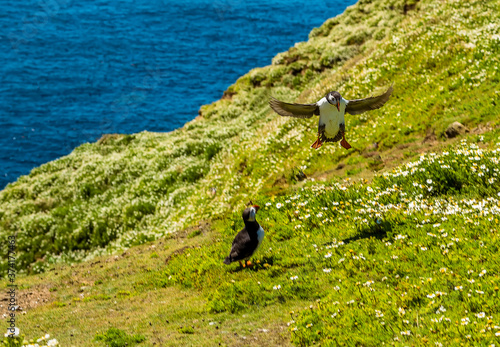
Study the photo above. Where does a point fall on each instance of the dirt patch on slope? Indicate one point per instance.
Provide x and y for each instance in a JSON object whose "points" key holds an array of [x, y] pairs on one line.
{"points": [[28, 299]]}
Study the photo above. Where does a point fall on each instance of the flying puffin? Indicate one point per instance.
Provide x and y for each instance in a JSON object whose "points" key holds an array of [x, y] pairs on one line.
{"points": [[248, 240], [331, 110]]}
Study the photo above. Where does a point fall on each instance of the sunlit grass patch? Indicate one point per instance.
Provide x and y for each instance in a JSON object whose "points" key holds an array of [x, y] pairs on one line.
{"points": [[114, 337], [427, 276], [407, 258], [388, 260], [127, 190]]}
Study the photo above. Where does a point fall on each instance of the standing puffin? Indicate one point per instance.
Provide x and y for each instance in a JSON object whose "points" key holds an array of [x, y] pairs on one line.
{"points": [[331, 110], [248, 240]]}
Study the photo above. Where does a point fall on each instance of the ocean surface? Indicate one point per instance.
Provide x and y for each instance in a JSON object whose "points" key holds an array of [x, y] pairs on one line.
{"points": [[74, 70]]}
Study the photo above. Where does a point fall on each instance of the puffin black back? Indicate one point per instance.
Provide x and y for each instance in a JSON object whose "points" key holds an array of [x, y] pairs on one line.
{"points": [[248, 239]]}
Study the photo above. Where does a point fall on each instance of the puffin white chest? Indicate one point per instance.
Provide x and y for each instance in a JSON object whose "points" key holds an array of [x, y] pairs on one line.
{"points": [[331, 117], [260, 237]]}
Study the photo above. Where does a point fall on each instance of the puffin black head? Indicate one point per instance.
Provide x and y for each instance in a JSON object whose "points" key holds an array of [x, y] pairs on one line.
{"points": [[334, 99], [249, 213]]}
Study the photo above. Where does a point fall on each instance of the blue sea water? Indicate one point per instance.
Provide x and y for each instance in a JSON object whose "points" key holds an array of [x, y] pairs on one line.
{"points": [[74, 70]]}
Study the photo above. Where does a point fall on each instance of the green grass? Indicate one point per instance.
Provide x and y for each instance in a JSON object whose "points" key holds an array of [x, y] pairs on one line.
{"points": [[118, 338], [368, 243], [355, 249], [127, 190], [408, 258]]}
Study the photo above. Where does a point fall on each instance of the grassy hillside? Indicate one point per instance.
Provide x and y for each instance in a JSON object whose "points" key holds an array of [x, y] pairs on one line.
{"points": [[127, 190], [396, 257], [408, 259]]}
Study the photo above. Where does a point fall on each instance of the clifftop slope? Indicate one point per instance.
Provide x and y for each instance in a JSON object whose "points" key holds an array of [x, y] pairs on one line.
{"points": [[122, 191], [406, 258]]}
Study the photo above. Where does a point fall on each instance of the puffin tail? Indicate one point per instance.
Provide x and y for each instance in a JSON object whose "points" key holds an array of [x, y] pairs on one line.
{"points": [[317, 144], [227, 261]]}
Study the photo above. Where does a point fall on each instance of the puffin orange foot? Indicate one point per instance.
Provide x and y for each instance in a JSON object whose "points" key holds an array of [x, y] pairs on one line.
{"points": [[317, 144], [344, 144], [249, 263], [241, 263]]}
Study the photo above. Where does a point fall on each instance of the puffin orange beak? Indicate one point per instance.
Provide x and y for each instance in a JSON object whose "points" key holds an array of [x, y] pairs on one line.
{"points": [[256, 207], [338, 105]]}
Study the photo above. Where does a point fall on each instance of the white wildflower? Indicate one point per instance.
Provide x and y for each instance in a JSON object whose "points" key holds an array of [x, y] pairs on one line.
{"points": [[12, 333]]}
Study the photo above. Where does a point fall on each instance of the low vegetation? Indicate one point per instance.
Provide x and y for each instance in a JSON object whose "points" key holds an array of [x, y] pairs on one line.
{"points": [[395, 240], [114, 337], [409, 257], [126, 190]]}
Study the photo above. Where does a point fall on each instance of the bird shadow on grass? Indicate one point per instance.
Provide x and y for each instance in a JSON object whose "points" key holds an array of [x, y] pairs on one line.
{"points": [[377, 231], [258, 264]]}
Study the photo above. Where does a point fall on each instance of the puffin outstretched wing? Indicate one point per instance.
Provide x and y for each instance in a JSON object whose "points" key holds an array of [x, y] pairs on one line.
{"points": [[362, 105], [294, 110]]}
